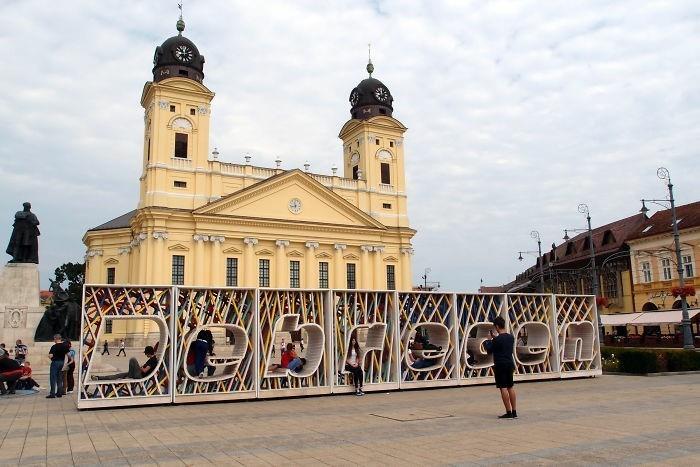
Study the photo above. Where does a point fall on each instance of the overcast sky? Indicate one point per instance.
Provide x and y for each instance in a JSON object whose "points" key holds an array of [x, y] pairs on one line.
{"points": [[517, 111]]}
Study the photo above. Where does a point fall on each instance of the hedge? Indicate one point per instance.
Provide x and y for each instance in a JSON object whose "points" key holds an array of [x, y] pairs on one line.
{"points": [[643, 361]]}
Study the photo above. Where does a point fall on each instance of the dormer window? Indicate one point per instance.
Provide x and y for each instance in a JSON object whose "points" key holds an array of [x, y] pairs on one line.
{"points": [[608, 237], [181, 145], [587, 244], [570, 249]]}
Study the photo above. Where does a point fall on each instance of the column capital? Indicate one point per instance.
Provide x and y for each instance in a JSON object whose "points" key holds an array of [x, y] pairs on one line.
{"points": [[160, 235], [124, 250], [367, 248], [250, 241], [340, 246], [379, 249], [90, 253], [217, 238], [282, 243], [312, 245], [407, 251], [142, 236], [200, 238]]}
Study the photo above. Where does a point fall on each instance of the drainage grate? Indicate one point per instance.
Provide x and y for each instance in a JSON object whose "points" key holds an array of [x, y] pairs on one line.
{"points": [[410, 415]]}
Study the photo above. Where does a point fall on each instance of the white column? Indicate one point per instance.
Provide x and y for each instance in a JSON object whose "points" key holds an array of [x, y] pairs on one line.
{"points": [[215, 261], [159, 238], [310, 266], [281, 264], [406, 277], [198, 278], [143, 258], [249, 266], [365, 276], [338, 271], [379, 273]]}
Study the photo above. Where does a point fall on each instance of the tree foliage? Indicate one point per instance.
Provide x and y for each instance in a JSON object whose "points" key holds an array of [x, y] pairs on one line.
{"points": [[71, 277]]}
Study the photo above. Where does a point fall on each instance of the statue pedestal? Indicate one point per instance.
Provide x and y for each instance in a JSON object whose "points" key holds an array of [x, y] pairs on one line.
{"points": [[20, 309]]}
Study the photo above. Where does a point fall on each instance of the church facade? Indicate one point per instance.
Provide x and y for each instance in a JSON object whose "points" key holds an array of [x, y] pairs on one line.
{"points": [[203, 222]]}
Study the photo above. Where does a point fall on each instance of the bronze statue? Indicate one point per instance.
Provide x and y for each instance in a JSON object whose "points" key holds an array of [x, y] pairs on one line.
{"points": [[61, 317], [24, 242]]}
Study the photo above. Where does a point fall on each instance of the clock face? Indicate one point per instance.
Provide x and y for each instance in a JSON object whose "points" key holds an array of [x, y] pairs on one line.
{"points": [[295, 205], [355, 159], [183, 53], [354, 97], [381, 94]]}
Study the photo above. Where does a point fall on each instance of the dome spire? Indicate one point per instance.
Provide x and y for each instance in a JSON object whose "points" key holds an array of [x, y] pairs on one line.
{"points": [[180, 25], [370, 67]]}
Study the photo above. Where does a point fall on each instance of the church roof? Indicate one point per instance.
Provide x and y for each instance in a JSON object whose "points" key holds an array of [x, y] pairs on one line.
{"points": [[121, 222]]}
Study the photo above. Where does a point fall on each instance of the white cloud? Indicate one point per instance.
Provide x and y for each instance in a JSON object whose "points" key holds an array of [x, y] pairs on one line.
{"points": [[517, 111]]}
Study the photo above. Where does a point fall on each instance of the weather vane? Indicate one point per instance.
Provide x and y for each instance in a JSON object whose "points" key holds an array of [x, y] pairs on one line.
{"points": [[370, 67], [179, 7]]}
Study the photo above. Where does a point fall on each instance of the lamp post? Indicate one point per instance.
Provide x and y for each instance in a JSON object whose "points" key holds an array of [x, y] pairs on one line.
{"points": [[583, 209], [664, 175], [536, 235]]}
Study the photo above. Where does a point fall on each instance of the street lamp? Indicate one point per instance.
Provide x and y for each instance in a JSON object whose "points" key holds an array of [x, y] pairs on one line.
{"points": [[536, 235], [664, 175], [583, 209]]}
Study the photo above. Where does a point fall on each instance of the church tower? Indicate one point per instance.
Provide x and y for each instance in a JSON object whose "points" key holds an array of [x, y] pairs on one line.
{"points": [[373, 150], [176, 127]]}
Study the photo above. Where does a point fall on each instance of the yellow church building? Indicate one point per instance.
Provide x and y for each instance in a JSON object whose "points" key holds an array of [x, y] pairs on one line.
{"points": [[203, 222]]}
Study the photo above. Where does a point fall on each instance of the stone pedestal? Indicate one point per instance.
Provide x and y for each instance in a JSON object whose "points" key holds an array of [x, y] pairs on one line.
{"points": [[20, 309]]}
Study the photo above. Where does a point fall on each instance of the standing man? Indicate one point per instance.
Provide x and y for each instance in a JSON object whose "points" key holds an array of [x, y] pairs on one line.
{"points": [[122, 348], [20, 351], [105, 348], [501, 346], [57, 355]]}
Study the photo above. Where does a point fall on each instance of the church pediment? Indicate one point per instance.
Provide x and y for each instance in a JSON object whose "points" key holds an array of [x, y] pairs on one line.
{"points": [[111, 261], [233, 250], [291, 196], [323, 254], [391, 259], [351, 256], [178, 247], [264, 251], [295, 253]]}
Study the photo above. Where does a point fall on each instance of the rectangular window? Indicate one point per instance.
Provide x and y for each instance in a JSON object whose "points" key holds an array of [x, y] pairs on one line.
{"points": [[350, 269], [391, 144], [110, 275], [386, 177], [108, 326], [193, 112], [687, 265], [181, 145], [178, 270], [179, 184], [172, 108], [148, 149], [587, 284], [231, 272], [264, 273], [386, 205], [646, 272], [294, 281], [355, 172], [390, 277], [323, 275], [666, 268], [610, 279], [376, 141]]}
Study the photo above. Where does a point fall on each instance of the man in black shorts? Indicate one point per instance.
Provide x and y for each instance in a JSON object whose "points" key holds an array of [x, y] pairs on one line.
{"points": [[501, 346]]}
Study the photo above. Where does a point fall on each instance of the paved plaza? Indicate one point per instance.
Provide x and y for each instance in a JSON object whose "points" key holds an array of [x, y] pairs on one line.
{"points": [[608, 420]]}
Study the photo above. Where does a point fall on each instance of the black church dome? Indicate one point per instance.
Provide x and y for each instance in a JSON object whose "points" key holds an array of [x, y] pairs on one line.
{"points": [[370, 98], [178, 56]]}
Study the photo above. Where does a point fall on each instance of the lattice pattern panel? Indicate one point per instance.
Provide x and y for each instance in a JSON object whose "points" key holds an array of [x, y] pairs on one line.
{"points": [[229, 316], [432, 315], [579, 346], [475, 314], [149, 304], [530, 320], [296, 313], [370, 316]]}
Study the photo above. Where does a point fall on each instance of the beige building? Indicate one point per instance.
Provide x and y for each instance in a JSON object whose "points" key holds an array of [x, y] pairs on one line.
{"points": [[653, 257], [204, 222]]}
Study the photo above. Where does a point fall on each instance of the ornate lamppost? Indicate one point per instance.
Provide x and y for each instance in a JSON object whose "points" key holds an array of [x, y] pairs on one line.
{"points": [[664, 175], [583, 209], [536, 235]]}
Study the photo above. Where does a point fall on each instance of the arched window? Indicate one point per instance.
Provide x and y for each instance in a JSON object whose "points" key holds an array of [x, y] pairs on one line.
{"points": [[649, 306], [677, 305]]}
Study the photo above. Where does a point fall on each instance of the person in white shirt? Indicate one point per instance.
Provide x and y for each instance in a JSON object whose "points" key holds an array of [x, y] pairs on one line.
{"points": [[352, 365], [122, 348]]}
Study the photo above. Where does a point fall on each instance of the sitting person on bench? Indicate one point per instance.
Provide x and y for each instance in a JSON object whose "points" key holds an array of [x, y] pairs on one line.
{"points": [[289, 360], [418, 360], [10, 372], [136, 371], [352, 365]]}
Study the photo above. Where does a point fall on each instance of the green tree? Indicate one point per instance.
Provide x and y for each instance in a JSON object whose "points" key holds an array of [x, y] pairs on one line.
{"points": [[71, 277]]}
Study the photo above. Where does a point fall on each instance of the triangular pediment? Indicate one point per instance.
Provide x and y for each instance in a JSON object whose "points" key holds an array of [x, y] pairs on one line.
{"points": [[323, 254], [233, 249], [264, 251], [291, 196], [178, 247], [391, 259], [379, 122], [351, 256], [295, 253]]}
